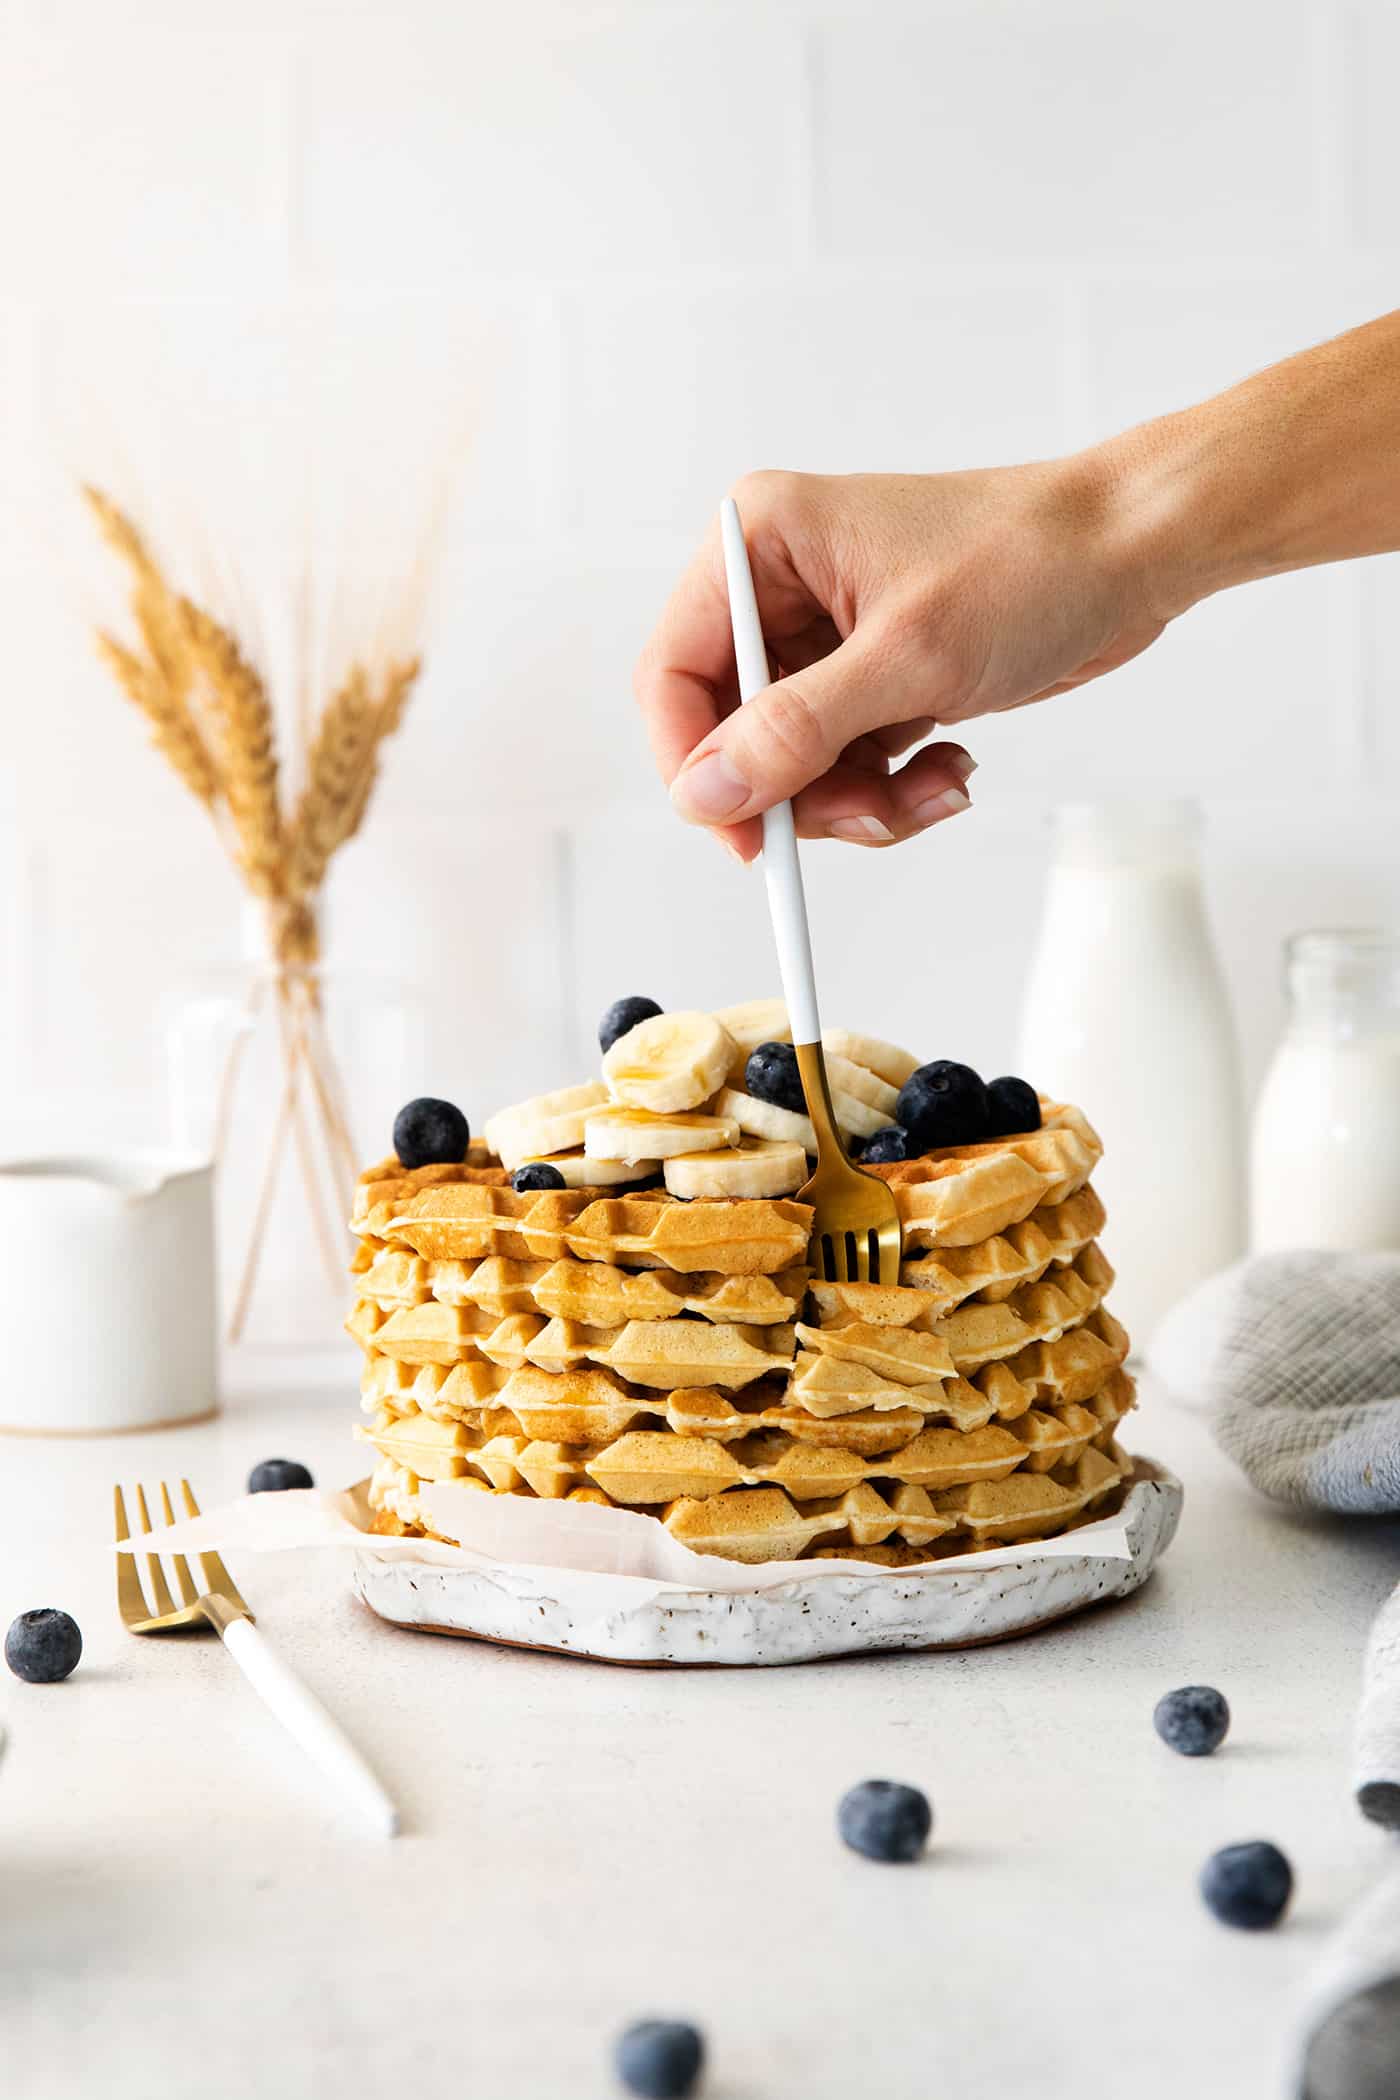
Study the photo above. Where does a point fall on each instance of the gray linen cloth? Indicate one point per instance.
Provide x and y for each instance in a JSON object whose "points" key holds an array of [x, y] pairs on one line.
{"points": [[1297, 1358]]}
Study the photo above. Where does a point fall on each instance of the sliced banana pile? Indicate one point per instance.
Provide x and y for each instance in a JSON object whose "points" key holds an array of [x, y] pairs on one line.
{"points": [[634, 1134], [677, 1100], [548, 1124]]}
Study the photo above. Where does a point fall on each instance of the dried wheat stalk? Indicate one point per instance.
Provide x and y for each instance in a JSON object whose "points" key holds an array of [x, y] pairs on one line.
{"points": [[342, 768], [209, 713], [249, 752], [172, 729], [161, 686]]}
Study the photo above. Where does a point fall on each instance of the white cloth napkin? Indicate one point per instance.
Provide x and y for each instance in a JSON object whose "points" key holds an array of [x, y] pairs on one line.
{"points": [[1297, 1359], [1348, 2037]]}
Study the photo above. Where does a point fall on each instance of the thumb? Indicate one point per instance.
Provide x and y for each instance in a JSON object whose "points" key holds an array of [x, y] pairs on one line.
{"points": [[788, 736]]}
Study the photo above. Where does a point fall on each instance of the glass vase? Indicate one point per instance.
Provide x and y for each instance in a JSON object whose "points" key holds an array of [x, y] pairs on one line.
{"points": [[287, 1070]]}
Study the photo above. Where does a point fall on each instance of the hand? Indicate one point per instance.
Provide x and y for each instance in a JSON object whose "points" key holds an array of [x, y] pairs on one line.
{"points": [[892, 604]]}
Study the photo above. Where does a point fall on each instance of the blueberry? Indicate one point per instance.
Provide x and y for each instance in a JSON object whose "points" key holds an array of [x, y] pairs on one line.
{"points": [[659, 2059], [429, 1133], [528, 1180], [1194, 1719], [1012, 1105], [43, 1647], [885, 1820], [887, 1144], [1247, 1885], [771, 1074], [622, 1015], [943, 1104], [275, 1474]]}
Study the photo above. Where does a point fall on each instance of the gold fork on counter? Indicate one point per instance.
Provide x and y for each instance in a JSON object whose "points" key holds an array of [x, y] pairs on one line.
{"points": [[218, 1608], [856, 1230]]}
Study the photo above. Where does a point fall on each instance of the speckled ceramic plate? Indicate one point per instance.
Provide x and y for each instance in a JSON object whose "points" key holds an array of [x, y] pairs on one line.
{"points": [[802, 1621]]}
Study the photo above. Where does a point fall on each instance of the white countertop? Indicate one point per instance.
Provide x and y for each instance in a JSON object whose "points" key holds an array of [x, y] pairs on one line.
{"points": [[184, 1913]]}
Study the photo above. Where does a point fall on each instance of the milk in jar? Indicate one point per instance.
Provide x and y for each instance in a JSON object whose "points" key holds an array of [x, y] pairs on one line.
{"points": [[1325, 1157], [1126, 1013]]}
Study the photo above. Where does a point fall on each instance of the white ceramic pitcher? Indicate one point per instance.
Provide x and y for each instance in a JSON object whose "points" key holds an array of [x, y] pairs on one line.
{"points": [[107, 1293]]}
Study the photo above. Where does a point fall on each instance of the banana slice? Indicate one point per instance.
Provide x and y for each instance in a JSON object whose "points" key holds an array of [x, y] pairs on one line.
{"points": [[672, 1061], [755, 1169], [632, 1134], [886, 1060], [755, 1021], [857, 1118], [547, 1124], [580, 1172], [764, 1119], [860, 1085]]}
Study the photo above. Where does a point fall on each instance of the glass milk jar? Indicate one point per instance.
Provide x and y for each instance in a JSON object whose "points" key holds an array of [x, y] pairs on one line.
{"points": [[1325, 1165], [1126, 1014]]}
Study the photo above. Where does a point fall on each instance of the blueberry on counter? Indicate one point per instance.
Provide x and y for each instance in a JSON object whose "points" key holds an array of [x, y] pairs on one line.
{"points": [[430, 1133], [43, 1646], [273, 1475], [537, 1175], [1194, 1719], [622, 1015], [659, 2059], [1012, 1106], [887, 1144], [943, 1104], [771, 1075], [1247, 1885], [885, 1820]]}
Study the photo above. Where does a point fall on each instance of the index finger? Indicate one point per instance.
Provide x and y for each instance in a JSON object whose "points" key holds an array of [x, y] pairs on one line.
{"points": [[685, 680]]}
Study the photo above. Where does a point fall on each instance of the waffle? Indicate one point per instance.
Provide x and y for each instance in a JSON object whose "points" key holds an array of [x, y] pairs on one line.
{"points": [[956, 1198], [826, 1389], [897, 1526], [1050, 1237], [671, 1354], [967, 1193], [836, 1368], [633, 1349], [597, 1294], [648, 1465], [464, 1220]]}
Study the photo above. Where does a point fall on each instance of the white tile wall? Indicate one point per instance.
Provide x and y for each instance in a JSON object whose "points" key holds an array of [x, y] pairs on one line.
{"points": [[672, 392], [643, 246], [1062, 132]]}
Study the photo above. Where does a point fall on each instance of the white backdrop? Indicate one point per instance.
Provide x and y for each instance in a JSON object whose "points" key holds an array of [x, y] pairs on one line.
{"points": [[677, 241]]}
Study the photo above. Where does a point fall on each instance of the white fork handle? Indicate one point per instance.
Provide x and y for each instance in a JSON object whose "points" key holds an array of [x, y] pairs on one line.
{"points": [[782, 871], [307, 1721]]}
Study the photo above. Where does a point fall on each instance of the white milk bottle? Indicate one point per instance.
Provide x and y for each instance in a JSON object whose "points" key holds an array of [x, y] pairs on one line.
{"points": [[1126, 1014], [1325, 1164]]}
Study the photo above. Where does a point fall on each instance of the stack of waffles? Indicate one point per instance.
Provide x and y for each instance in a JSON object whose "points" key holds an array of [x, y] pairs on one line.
{"points": [[630, 1346]]}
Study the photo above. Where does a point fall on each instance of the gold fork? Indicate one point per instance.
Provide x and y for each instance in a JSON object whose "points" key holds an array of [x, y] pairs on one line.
{"points": [[856, 1227], [219, 1608]]}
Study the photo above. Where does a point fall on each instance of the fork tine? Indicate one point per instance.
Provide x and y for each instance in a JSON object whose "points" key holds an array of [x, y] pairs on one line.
{"points": [[131, 1598], [160, 1588], [188, 1593], [215, 1573]]}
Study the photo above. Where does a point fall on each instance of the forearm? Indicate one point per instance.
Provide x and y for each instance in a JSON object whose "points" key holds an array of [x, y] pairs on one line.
{"points": [[1298, 465]]}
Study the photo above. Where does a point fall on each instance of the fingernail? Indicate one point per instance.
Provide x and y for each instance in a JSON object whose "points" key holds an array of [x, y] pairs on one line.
{"points": [[710, 790], [732, 850], [962, 763], [947, 804], [865, 831]]}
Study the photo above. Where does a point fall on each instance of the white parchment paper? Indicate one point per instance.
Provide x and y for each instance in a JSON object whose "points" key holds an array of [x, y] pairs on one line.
{"points": [[580, 1540]]}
